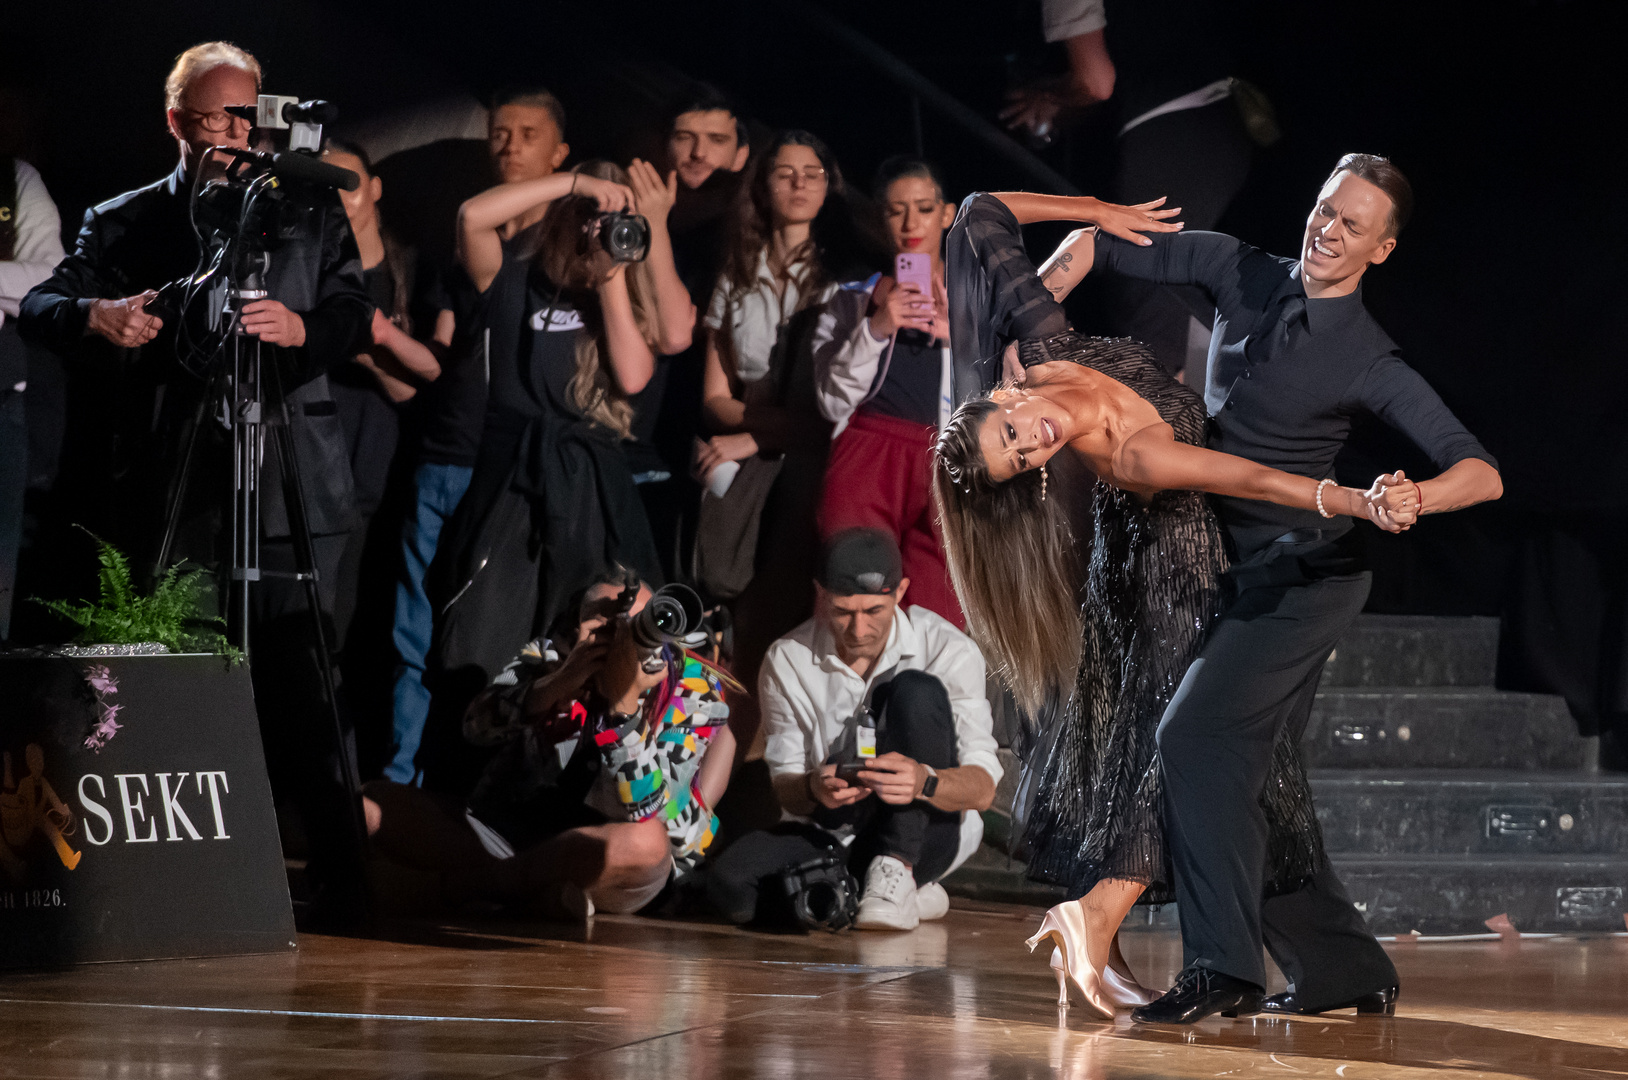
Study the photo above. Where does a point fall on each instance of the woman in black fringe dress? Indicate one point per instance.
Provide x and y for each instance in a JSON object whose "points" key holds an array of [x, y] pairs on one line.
{"points": [[1093, 638]]}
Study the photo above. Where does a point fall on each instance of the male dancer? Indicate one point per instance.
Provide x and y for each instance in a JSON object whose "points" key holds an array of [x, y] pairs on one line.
{"points": [[1294, 357]]}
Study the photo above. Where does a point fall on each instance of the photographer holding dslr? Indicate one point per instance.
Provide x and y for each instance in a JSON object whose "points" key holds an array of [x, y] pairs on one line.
{"points": [[136, 399], [612, 752], [574, 314]]}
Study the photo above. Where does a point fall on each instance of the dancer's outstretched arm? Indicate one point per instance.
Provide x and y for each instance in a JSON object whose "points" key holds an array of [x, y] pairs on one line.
{"points": [[1152, 460], [1125, 222]]}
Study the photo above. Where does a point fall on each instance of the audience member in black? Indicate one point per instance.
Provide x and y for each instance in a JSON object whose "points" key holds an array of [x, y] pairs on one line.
{"points": [[1166, 69], [132, 410], [526, 137], [552, 501], [370, 391], [583, 805], [707, 145], [794, 237]]}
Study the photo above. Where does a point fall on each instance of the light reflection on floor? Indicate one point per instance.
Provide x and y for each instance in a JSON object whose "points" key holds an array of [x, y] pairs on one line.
{"points": [[634, 997]]}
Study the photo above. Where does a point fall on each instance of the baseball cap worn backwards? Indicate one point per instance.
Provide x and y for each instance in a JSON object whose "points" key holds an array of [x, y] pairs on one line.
{"points": [[861, 561]]}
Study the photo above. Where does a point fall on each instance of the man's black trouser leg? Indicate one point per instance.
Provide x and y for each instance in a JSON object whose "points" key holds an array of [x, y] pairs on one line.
{"points": [[916, 721], [1316, 936], [1254, 680]]}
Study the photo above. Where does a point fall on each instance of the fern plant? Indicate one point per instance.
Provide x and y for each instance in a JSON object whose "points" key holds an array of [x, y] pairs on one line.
{"points": [[119, 616]]}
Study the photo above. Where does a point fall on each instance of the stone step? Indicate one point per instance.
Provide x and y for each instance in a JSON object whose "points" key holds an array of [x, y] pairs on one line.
{"points": [[1436, 894], [1415, 650], [1440, 727], [1465, 812]]}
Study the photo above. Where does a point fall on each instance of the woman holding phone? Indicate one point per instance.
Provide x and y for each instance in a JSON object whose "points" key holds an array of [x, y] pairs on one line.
{"points": [[882, 371]]}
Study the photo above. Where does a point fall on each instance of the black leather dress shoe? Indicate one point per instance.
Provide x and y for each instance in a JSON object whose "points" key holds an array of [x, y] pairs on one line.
{"points": [[1200, 992], [1378, 1003]]}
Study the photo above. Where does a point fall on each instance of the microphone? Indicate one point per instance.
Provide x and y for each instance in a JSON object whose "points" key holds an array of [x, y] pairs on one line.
{"points": [[291, 165], [310, 112]]}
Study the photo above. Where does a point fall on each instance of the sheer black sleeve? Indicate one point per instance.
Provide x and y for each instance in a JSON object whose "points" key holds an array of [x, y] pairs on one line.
{"points": [[995, 294]]}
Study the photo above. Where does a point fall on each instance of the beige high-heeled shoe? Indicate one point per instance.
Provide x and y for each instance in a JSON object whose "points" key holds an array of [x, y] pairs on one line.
{"points": [[1123, 992], [1065, 925]]}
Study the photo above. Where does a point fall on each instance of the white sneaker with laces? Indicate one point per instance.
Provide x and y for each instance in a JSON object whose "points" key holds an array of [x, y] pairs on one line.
{"points": [[889, 900], [932, 902]]}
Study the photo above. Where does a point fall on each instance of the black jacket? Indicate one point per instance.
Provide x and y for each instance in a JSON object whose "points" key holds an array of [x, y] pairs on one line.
{"points": [[144, 239]]}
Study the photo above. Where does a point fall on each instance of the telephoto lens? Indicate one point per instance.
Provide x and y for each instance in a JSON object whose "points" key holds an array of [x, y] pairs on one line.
{"points": [[625, 237], [673, 613]]}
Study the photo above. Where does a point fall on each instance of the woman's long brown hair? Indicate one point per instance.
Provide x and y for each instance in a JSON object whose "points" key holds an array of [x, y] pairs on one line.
{"points": [[1012, 560], [564, 250]]}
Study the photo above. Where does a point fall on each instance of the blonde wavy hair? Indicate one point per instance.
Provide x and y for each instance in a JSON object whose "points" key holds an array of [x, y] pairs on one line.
{"points": [[206, 57], [565, 255], [1012, 560]]}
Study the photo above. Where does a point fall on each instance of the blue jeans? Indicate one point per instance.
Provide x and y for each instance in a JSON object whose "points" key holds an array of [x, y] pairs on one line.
{"points": [[438, 490]]}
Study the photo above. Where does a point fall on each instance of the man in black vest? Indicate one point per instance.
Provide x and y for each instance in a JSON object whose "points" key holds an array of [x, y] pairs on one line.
{"points": [[1294, 359], [132, 408]]}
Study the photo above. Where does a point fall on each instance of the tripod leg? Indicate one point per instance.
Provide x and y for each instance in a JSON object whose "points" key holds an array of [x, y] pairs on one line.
{"points": [[305, 562], [178, 494]]}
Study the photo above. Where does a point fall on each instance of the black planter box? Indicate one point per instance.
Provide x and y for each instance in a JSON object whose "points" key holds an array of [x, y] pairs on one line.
{"points": [[136, 819]]}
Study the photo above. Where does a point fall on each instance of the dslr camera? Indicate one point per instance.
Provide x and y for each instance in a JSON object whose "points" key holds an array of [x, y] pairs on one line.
{"points": [[673, 616], [624, 236], [822, 894]]}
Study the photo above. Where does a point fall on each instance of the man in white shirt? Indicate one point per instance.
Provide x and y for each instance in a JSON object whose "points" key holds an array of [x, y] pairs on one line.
{"points": [[911, 802]]}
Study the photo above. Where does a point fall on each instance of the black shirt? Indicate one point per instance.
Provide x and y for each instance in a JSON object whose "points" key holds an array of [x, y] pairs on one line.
{"points": [[1288, 375], [454, 405], [909, 389]]}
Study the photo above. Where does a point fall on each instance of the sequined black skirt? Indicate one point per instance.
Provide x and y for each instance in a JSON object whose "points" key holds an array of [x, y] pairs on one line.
{"points": [[1152, 591]]}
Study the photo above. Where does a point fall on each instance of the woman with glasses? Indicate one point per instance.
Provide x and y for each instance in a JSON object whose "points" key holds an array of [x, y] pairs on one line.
{"points": [[794, 237]]}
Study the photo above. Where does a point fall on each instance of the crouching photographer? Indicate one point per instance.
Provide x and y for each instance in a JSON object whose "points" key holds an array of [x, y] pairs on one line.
{"points": [[880, 743], [612, 750]]}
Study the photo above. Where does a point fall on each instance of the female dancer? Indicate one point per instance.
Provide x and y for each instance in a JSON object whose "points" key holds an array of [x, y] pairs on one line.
{"points": [[1104, 674]]}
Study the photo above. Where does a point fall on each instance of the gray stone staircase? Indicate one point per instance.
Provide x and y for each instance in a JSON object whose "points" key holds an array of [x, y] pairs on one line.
{"points": [[1444, 801]]}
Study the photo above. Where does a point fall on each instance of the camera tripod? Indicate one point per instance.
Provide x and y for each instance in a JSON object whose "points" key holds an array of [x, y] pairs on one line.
{"points": [[239, 386]]}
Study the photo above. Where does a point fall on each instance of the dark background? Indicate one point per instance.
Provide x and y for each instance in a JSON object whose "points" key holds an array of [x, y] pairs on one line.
{"points": [[1508, 118]]}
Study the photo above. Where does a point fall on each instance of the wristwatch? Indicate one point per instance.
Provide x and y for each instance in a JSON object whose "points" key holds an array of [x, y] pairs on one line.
{"points": [[929, 785]]}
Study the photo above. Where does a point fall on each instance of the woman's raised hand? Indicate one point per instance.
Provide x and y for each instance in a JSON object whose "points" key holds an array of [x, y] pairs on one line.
{"points": [[607, 193], [653, 197], [1130, 222]]}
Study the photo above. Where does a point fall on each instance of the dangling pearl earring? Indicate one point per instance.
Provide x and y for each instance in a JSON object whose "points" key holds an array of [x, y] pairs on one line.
{"points": [[1042, 483]]}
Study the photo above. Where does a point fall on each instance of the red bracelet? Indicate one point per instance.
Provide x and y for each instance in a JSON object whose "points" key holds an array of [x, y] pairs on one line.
{"points": [[1421, 500]]}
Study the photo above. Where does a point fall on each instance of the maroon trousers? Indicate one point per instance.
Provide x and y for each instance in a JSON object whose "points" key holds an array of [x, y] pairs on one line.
{"points": [[878, 477]]}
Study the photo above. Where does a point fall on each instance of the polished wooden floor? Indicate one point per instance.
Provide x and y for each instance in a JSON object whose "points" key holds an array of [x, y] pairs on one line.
{"points": [[636, 998]]}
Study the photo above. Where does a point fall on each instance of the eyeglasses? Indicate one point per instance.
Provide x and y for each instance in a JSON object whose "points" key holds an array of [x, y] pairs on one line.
{"points": [[787, 176], [217, 121]]}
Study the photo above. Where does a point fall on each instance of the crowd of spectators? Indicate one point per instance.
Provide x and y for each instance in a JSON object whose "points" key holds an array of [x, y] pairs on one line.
{"points": [[520, 447]]}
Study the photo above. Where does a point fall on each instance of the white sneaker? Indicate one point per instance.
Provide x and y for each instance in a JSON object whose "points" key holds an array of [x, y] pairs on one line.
{"points": [[889, 901], [932, 902]]}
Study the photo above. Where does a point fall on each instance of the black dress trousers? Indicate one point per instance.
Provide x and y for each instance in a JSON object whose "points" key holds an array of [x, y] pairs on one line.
{"points": [[1255, 679]]}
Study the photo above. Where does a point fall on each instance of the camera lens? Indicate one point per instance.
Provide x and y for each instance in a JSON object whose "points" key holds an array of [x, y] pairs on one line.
{"points": [[821, 899], [626, 237]]}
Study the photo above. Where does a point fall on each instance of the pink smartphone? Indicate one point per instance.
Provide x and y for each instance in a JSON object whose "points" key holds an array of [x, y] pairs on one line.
{"points": [[916, 270]]}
